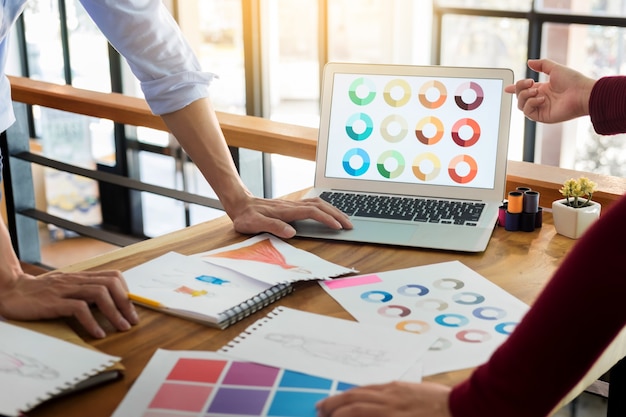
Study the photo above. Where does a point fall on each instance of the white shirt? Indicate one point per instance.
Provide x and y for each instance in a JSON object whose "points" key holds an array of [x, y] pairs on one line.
{"points": [[144, 32]]}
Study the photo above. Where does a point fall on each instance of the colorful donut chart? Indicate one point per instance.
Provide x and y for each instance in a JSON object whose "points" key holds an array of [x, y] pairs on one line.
{"points": [[421, 174], [426, 88], [356, 153], [413, 326], [489, 313], [478, 91], [440, 344], [413, 290], [463, 159], [506, 328], [468, 298], [451, 320], [449, 284], [419, 130], [470, 123], [473, 336], [391, 154], [369, 126], [376, 296], [362, 84], [394, 311], [394, 85], [432, 304], [389, 120]]}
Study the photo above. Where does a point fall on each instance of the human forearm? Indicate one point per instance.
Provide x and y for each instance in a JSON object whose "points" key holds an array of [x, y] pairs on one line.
{"points": [[10, 267], [197, 129]]}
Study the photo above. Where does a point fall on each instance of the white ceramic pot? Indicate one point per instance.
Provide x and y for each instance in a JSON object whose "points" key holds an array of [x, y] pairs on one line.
{"points": [[572, 222]]}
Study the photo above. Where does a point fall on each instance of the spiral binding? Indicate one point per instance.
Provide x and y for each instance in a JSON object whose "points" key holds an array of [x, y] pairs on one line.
{"points": [[254, 304], [251, 329]]}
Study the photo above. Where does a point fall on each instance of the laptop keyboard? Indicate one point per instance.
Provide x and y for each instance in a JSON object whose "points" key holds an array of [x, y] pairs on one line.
{"points": [[416, 209]]}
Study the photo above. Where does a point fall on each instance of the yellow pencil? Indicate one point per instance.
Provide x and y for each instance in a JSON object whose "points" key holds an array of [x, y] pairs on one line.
{"points": [[144, 300]]}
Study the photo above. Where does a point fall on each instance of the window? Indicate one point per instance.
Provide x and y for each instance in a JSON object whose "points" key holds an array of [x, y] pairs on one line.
{"points": [[290, 41], [586, 35]]}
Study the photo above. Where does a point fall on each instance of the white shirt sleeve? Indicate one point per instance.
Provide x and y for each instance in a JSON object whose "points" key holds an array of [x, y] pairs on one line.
{"points": [[145, 33]]}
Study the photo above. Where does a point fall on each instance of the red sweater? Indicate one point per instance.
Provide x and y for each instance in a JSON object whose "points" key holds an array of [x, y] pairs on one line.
{"points": [[573, 320]]}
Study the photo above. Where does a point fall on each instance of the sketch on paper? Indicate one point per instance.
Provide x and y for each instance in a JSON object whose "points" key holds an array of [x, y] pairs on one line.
{"points": [[263, 251], [330, 347], [25, 366], [271, 260], [347, 354]]}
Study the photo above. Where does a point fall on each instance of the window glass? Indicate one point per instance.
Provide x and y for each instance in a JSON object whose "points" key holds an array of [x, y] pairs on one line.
{"points": [[291, 27], [615, 8], [43, 41], [88, 48], [489, 42], [518, 5], [379, 31], [217, 37], [595, 51]]}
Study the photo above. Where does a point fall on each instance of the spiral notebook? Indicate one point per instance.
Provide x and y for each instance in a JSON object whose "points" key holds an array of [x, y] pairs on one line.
{"points": [[35, 367], [220, 287], [188, 287]]}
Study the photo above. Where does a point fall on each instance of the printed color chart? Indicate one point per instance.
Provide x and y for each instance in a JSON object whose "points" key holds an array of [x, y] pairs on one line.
{"points": [[200, 383], [469, 315]]}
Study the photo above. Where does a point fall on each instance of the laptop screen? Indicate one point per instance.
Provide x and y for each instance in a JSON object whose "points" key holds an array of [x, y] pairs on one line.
{"points": [[433, 130]]}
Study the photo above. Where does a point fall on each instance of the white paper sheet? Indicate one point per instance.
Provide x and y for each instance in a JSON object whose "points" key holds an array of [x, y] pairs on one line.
{"points": [[330, 347], [34, 367], [468, 314], [274, 261]]}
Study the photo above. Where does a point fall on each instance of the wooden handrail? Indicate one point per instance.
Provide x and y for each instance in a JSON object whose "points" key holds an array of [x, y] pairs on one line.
{"points": [[241, 131], [268, 136]]}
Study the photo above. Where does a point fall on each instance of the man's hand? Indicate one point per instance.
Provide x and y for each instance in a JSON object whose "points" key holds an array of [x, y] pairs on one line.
{"points": [[395, 399], [272, 216], [70, 295], [564, 96]]}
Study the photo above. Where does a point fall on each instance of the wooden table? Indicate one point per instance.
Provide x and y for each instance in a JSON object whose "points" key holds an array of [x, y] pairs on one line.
{"points": [[519, 262]]}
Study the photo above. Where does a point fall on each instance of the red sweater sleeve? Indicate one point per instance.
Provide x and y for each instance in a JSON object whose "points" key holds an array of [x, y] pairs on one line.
{"points": [[570, 324], [607, 105]]}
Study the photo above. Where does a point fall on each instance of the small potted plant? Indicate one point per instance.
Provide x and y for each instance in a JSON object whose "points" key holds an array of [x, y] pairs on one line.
{"points": [[576, 212]]}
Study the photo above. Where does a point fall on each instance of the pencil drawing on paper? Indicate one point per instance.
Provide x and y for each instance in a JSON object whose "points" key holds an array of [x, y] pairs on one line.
{"points": [[351, 355], [25, 366]]}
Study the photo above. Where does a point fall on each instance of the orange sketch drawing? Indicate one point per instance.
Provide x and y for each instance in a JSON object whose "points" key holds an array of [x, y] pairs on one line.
{"points": [[263, 251], [194, 293]]}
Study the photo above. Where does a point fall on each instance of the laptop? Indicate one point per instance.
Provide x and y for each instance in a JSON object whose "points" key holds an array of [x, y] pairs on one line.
{"points": [[415, 155]]}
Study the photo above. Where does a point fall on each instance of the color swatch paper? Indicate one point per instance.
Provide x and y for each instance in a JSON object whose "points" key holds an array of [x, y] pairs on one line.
{"points": [[202, 384]]}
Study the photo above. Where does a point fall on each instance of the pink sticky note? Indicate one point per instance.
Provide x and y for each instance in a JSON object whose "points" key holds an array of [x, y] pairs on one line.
{"points": [[352, 281]]}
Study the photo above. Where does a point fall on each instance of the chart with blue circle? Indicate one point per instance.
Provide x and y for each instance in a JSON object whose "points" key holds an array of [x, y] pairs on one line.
{"points": [[415, 130], [469, 315]]}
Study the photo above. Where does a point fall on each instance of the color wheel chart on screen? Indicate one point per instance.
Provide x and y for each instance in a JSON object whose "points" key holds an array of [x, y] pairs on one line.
{"points": [[436, 131], [470, 315], [203, 384]]}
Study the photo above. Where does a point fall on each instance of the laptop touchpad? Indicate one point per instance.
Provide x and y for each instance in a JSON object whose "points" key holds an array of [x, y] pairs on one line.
{"points": [[363, 231]]}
